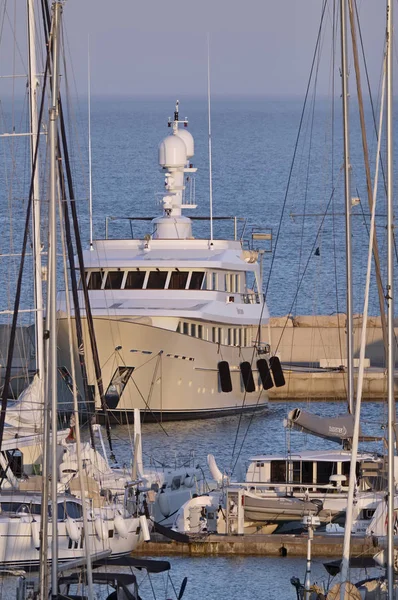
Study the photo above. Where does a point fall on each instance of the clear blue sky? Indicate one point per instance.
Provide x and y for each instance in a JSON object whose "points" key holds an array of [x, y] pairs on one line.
{"points": [[159, 47], [155, 47]]}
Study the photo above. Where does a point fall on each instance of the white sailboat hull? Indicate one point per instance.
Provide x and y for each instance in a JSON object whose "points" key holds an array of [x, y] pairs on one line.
{"points": [[19, 540]]}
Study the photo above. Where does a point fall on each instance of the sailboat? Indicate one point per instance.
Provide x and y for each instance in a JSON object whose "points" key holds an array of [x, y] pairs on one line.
{"points": [[70, 521], [383, 521]]}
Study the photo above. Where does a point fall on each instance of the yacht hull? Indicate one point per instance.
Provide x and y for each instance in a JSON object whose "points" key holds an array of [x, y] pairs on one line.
{"points": [[173, 376], [19, 542]]}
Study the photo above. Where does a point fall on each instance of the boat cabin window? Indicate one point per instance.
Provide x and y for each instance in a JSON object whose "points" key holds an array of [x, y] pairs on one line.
{"points": [[156, 280], [21, 508], [303, 471], [196, 280], [68, 509], [134, 280], [345, 469], [278, 471], [95, 280], [324, 471], [178, 280], [114, 280]]}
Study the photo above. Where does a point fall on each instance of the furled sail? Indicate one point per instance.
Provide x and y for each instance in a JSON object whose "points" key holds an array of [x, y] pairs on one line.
{"points": [[331, 428]]}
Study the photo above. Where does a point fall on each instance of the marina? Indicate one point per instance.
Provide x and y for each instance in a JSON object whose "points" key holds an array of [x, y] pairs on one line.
{"points": [[184, 392]]}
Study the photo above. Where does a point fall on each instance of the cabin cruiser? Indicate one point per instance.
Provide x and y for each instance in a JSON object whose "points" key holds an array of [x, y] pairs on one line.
{"points": [[282, 489], [179, 321]]}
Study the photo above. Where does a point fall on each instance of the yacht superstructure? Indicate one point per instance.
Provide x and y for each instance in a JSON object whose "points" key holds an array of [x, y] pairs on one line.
{"points": [[175, 317]]}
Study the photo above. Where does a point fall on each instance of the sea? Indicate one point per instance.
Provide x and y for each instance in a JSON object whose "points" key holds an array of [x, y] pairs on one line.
{"points": [[276, 176]]}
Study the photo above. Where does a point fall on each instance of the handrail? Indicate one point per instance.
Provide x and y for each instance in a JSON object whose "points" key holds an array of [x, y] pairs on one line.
{"points": [[235, 219]]}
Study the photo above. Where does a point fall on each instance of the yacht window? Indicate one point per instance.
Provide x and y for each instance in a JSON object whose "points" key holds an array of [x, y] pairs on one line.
{"points": [[214, 281], [228, 282], [178, 280], [229, 337], [220, 340], [345, 469], [200, 331], [278, 471], [178, 330], [296, 471], [69, 509], [95, 281], [114, 280], [156, 280], [324, 471], [307, 471], [117, 385], [185, 328], [196, 280], [134, 280], [213, 335], [21, 509], [193, 330]]}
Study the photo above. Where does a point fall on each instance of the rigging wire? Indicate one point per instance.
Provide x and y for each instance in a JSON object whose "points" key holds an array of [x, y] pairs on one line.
{"points": [[258, 335], [7, 377]]}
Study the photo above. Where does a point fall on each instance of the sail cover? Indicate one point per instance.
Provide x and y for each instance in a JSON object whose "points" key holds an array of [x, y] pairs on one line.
{"points": [[330, 428]]}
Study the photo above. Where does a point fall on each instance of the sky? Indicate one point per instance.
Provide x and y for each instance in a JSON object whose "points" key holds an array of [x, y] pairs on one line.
{"points": [[159, 48], [258, 47]]}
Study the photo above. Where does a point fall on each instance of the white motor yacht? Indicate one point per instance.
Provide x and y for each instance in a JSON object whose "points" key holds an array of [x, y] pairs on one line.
{"points": [[179, 320]]}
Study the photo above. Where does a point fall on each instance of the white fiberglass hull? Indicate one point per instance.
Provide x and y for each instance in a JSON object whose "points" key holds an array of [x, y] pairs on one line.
{"points": [[174, 376], [19, 540]]}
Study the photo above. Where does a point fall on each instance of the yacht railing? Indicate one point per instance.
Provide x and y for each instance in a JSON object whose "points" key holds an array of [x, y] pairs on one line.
{"points": [[288, 487], [236, 221]]}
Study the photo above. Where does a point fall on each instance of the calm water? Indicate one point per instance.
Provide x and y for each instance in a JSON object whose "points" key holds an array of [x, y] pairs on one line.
{"points": [[253, 144], [253, 147]]}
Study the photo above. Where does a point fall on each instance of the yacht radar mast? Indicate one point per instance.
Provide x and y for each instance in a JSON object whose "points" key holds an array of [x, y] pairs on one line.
{"points": [[175, 152]]}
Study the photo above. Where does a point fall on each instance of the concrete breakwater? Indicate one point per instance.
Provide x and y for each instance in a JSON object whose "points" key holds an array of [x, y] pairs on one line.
{"points": [[313, 350], [257, 544]]}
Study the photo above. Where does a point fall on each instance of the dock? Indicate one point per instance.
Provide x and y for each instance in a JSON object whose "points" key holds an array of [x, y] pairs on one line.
{"points": [[257, 545]]}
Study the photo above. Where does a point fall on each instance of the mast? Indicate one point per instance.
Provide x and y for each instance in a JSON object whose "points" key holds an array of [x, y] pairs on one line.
{"points": [[90, 207], [37, 266], [347, 190], [390, 304], [52, 287], [209, 138]]}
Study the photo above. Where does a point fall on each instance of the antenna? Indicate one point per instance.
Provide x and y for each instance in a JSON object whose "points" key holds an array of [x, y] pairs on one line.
{"points": [[90, 199], [209, 130]]}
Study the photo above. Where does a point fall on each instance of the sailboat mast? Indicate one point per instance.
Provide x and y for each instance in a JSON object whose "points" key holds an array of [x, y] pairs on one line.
{"points": [[52, 288], [37, 264], [390, 304], [347, 190]]}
